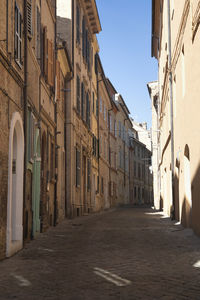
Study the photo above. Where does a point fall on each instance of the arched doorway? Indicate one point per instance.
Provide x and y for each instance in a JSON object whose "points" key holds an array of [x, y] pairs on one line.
{"points": [[36, 185], [15, 186], [187, 204]]}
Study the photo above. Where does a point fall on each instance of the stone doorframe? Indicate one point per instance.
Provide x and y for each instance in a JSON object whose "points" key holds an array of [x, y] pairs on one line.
{"points": [[14, 234]]}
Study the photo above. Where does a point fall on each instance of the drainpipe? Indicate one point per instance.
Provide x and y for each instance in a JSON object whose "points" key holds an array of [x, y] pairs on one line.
{"points": [[55, 131], [7, 26], [110, 161], [25, 104], [171, 109]]}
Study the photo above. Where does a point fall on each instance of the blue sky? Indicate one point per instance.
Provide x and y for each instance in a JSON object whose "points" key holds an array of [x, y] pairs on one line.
{"points": [[125, 51]]}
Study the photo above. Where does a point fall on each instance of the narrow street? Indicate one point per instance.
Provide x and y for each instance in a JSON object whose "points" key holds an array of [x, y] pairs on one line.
{"points": [[128, 253]]}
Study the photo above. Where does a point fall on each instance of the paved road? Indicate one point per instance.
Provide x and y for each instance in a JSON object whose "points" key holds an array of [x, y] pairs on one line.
{"points": [[128, 253]]}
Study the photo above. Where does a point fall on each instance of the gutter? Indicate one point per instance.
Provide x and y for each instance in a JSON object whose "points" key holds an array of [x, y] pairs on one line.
{"points": [[25, 108], [171, 110]]}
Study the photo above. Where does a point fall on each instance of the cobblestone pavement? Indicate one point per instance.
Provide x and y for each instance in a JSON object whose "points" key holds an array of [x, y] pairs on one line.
{"points": [[127, 253]]}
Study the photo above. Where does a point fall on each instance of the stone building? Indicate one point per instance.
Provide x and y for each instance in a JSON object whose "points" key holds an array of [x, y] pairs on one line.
{"points": [[64, 75], [40, 173], [107, 141], [81, 38], [176, 46], [141, 185], [12, 130]]}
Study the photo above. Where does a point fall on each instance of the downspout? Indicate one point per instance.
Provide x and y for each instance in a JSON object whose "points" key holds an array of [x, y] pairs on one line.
{"points": [[55, 131], [7, 26], [171, 110], [25, 109], [66, 80], [110, 160]]}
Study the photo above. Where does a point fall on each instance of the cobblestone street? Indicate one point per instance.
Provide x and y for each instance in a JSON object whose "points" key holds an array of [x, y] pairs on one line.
{"points": [[128, 253]]}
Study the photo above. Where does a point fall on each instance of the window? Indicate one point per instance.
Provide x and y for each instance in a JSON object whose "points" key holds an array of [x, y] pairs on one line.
{"points": [[93, 106], [104, 113], [50, 59], [115, 128], [94, 146], [18, 35], [135, 169], [119, 129], [88, 110], [78, 24], [102, 185], [78, 94], [52, 160], [82, 101], [78, 167], [88, 174], [58, 79], [97, 108], [38, 46], [110, 119], [83, 37], [29, 16], [100, 105]]}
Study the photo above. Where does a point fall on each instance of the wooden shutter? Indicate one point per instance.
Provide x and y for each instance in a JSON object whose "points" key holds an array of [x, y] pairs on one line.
{"points": [[78, 94], [82, 100], [38, 33], [58, 79], [45, 52], [77, 24], [29, 16], [83, 37], [50, 62]]}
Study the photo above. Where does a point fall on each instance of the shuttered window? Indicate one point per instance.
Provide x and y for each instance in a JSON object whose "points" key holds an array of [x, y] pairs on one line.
{"points": [[78, 94], [78, 24], [38, 46], [88, 174], [97, 108], [88, 109], [83, 37], [45, 52], [58, 79], [78, 167], [29, 17], [18, 35], [50, 62], [82, 101]]}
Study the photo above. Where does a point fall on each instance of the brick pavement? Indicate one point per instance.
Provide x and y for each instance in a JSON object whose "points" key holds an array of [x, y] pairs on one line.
{"points": [[141, 246]]}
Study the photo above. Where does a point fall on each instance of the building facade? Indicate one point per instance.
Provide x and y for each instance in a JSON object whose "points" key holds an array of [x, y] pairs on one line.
{"points": [[12, 129], [81, 38], [175, 44]]}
